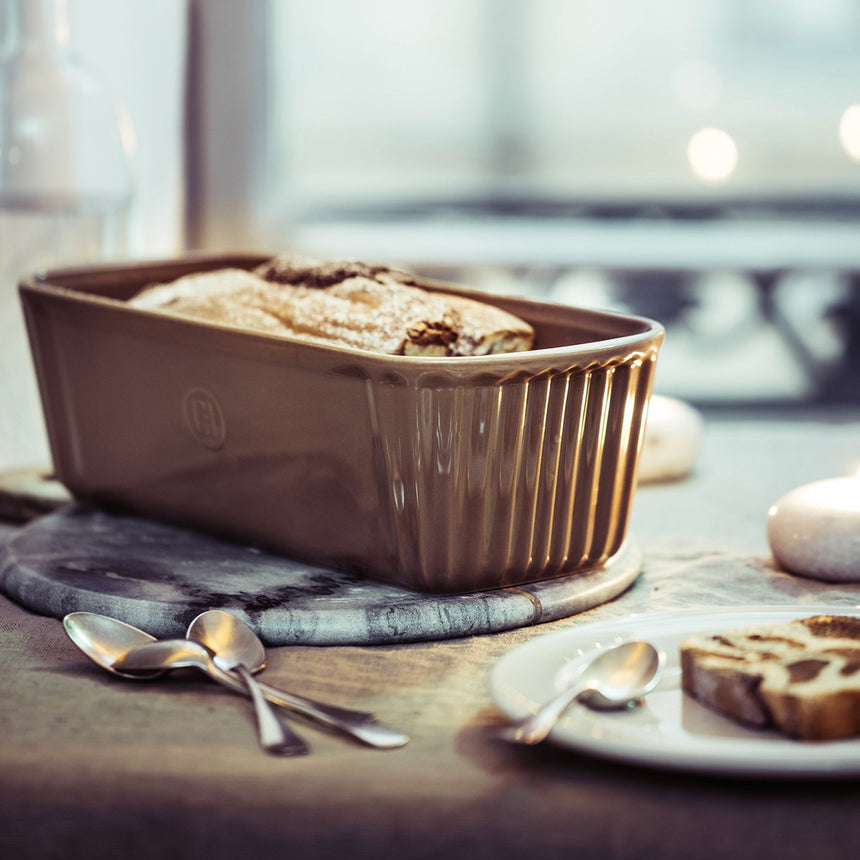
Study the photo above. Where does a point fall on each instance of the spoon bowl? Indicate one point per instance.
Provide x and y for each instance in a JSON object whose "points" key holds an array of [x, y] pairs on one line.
{"points": [[231, 640], [104, 640], [613, 679]]}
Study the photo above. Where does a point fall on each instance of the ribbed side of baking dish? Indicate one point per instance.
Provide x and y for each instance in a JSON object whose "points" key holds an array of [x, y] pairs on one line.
{"points": [[509, 482]]}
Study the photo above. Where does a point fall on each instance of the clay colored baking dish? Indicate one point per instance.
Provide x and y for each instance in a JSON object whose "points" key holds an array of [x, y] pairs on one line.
{"points": [[436, 474]]}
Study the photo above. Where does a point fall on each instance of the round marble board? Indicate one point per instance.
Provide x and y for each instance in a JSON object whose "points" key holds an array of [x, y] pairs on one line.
{"points": [[159, 577]]}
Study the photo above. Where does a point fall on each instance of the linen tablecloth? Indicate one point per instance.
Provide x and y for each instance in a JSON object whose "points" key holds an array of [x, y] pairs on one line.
{"points": [[94, 766]]}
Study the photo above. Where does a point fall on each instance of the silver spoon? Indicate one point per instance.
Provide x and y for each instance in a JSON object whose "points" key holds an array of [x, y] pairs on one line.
{"points": [[107, 641], [235, 647], [615, 678]]}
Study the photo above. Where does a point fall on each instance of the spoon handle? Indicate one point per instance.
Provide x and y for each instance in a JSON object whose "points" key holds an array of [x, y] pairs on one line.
{"points": [[275, 737], [534, 728], [358, 724]]}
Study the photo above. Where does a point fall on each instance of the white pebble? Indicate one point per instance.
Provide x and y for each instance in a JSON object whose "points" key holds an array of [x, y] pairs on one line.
{"points": [[815, 530], [673, 437]]}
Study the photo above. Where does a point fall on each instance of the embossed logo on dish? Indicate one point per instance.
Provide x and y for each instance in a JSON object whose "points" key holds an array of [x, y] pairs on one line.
{"points": [[204, 418]]}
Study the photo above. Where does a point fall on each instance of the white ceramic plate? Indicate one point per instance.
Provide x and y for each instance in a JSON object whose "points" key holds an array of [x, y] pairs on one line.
{"points": [[671, 730]]}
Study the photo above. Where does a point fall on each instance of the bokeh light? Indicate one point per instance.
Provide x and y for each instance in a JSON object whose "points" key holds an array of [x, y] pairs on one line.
{"points": [[849, 131], [713, 154]]}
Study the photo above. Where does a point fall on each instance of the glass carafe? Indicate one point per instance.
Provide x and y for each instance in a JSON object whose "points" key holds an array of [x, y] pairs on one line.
{"points": [[65, 193]]}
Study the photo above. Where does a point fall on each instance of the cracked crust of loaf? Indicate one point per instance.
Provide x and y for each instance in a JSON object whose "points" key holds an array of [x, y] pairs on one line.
{"points": [[318, 274], [801, 678], [351, 304]]}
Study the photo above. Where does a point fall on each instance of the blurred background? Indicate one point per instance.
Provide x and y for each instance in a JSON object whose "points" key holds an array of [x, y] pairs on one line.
{"points": [[696, 161]]}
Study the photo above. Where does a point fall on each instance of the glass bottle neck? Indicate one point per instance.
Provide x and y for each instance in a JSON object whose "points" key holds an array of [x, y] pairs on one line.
{"points": [[42, 24]]}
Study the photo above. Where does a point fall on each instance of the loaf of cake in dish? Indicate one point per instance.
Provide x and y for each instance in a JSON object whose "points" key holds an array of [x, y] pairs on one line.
{"points": [[801, 677], [352, 304]]}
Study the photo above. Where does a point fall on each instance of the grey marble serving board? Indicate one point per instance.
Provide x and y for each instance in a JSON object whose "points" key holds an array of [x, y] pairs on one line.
{"points": [[159, 577]]}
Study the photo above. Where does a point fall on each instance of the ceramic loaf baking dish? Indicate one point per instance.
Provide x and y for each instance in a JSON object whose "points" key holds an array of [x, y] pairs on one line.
{"points": [[436, 474]]}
